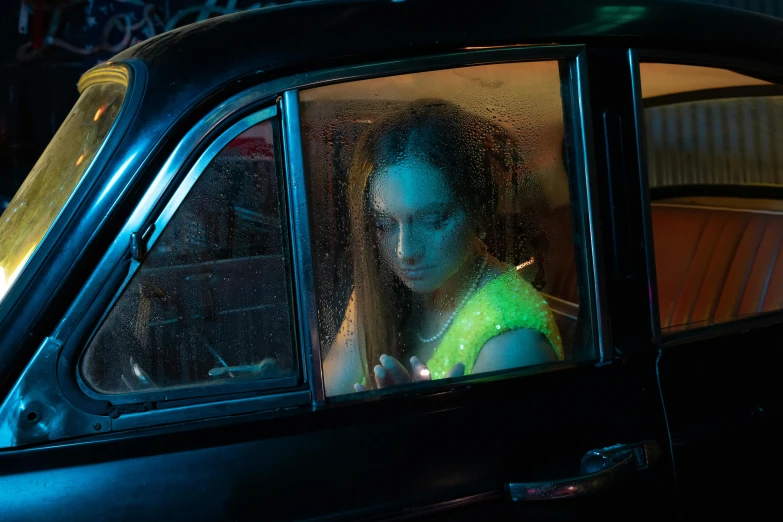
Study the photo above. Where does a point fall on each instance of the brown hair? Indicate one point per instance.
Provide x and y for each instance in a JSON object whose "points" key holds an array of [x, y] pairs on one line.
{"points": [[474, 155]]}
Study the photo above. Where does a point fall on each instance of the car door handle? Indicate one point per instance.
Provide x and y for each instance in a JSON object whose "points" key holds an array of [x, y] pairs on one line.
{"points": [[601, 469]]}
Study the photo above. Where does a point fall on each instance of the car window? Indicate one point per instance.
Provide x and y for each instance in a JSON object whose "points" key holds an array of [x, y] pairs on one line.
{"points": [[211, 302], [715, 169], [55, 176], [441, 224]]}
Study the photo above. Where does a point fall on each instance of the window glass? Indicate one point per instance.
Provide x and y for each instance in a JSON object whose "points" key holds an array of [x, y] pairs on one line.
{"points": [[211, 302], [55, 176], [441, 224], [715, 167]]}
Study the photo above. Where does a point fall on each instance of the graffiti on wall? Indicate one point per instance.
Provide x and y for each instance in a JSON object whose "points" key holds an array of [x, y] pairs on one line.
{"points": [[95, 30]]}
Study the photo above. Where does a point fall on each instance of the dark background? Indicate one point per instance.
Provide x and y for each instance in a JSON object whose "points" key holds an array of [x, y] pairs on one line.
{"points": [[45, 45]]}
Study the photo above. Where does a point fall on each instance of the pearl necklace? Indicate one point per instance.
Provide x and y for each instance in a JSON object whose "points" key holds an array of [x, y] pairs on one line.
{"points": [[467, 296]]}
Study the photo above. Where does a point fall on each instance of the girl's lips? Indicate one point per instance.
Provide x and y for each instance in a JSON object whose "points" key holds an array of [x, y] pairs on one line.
{"points": [[414, 273]]}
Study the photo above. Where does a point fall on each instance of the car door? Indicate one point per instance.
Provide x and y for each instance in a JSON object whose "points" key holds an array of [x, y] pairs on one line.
{"points": [[712, 149], [186, 380]]}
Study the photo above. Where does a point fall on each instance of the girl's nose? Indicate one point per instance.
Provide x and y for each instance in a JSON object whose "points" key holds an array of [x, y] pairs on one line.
{"points": [[409, 248]]}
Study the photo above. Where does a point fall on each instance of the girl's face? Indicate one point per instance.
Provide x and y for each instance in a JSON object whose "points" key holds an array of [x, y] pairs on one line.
{"points": [[422, 233]]}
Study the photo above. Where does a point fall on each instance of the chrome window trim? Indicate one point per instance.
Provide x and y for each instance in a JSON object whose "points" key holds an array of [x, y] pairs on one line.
{"points": [[748, 67], [202, 131], [583, 134], [465, 58], [301, 247], [647, 239], [219, 408]]}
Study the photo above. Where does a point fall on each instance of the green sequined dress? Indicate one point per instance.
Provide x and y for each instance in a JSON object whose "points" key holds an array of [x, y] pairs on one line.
{"points": [[505, 303]]}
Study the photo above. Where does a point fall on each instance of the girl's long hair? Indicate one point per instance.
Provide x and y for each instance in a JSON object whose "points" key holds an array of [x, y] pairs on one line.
{"points": [[474, 155]]}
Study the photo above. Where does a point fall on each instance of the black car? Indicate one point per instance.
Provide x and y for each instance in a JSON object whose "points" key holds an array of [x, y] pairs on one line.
{"points": [[178, 269]]}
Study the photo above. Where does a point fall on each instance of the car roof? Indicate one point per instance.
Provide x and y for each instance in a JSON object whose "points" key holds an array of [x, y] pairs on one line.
{"points": [[188, 63]]}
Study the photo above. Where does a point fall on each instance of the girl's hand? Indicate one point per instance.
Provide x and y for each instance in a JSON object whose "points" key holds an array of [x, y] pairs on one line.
{"points": [[391, 372], [421, 373]]}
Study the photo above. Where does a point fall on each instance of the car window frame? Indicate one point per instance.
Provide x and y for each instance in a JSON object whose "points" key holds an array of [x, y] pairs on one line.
{"points": [[769, 71], [584, 194], [83, 316]]}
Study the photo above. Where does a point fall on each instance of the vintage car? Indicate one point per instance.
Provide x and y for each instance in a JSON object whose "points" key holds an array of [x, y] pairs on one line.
{"points": [[177, 267]]}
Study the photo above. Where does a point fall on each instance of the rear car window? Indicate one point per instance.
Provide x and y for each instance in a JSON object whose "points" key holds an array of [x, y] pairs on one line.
{"points": [[44, 193], [715, 168]]}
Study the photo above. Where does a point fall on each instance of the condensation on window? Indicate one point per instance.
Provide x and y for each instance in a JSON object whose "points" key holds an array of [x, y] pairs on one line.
{"points": [[212, 300], [458, 176]]}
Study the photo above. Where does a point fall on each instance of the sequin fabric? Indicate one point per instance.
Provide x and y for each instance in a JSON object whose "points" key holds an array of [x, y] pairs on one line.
{"points": [[505, 303]]}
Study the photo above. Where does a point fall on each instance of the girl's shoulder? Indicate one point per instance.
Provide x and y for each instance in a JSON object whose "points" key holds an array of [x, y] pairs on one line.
{"points": [[504, 279]]}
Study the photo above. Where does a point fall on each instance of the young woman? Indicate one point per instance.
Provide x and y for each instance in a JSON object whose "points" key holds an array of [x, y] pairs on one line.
{"points": [[429, 301]]}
